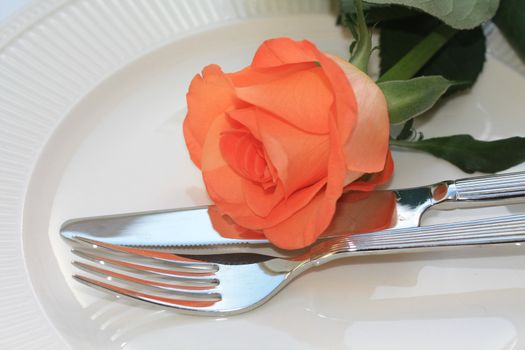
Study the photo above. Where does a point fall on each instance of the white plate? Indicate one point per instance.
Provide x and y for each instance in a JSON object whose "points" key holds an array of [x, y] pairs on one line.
{"points": [[90, 123]]}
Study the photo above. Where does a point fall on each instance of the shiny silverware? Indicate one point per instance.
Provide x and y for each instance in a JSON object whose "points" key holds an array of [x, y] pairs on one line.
{"points": [[199, 287], [191, 228]]}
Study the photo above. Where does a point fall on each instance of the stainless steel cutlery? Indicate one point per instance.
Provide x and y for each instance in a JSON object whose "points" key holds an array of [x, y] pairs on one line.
{"points": [[122, 255], [191, 227], [192, 285]]}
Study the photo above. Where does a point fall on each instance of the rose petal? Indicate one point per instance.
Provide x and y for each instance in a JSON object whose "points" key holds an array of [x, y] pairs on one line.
{"points": [[300, 158], [244, 155], [335, 182], [243, 216], [248, 118], [208, 96], [222, 183], [255, 76], [229, 229], [377, 179], [302, 228], [302, 99], [366, 148], [279, 51], [345, 106], [343, 122], [262, 201]]}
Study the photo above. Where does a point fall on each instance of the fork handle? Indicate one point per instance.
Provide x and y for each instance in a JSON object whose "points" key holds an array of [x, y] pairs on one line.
{"points": [[484, 190], [509, 229]]}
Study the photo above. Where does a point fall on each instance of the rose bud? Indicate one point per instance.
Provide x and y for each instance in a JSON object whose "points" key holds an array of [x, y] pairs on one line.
{"points": [[280, 141]]}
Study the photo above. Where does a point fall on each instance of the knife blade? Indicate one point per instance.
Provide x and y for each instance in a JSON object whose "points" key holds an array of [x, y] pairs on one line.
{"points": [[192, 229]]}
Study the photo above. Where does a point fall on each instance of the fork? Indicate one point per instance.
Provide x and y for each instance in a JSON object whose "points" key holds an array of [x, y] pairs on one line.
{"points": [[199, 287]]}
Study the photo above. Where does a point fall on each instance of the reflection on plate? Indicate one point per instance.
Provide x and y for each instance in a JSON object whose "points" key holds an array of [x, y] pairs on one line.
{"points": [[116, 146]]}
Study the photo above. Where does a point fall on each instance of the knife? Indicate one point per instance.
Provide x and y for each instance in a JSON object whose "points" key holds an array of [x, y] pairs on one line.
{"points": [[191, 228]]}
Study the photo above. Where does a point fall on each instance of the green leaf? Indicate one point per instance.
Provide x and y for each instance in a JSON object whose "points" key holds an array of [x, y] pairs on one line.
{"points": [[376, 14], [471, 155], [510, 19], [461, 58], [459, 14], [407, 99]]}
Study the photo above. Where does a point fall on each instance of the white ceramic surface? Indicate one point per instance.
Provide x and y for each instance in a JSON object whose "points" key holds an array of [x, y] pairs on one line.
{"points": [[91, 105]]}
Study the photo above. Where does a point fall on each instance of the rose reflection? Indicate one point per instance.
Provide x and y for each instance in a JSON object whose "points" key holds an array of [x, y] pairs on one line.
{"points": [[357, 212]]}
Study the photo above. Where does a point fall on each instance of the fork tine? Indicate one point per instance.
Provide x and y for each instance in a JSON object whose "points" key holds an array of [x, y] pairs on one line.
{"points": [[199, 276], [182, 304], [153, 254], [188, 291]]}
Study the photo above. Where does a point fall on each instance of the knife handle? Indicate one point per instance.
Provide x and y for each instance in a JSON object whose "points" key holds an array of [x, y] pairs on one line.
{"points": [[491, 187], [481, 191], [510, 229]]}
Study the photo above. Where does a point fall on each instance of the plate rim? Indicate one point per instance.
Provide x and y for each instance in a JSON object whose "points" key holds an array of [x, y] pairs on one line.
{"points": [[15, 174]]}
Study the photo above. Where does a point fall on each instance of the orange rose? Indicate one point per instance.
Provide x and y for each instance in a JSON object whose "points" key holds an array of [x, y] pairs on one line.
{"points": [[279, 141]]}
